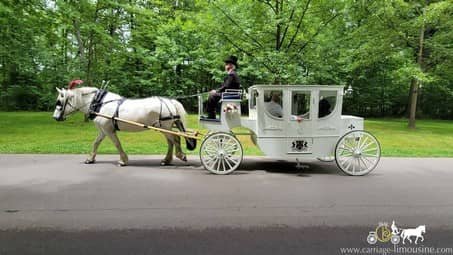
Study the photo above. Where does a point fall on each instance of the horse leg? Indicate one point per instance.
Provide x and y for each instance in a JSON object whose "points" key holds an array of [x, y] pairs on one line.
{"points": [[179, 154], [169, 157], [416, 239], [123, 157], [92, 158]]}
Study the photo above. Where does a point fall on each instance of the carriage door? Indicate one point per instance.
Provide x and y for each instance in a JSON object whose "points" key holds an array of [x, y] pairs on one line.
{"points": [[300, 137], [272, 123]]}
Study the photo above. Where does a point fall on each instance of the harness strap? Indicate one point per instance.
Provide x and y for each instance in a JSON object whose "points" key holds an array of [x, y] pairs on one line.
{"points": [[116, 115], [171, 117]]}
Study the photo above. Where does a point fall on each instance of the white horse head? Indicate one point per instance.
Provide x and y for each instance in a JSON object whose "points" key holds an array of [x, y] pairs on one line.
{"points": [[72, 100], [65, 98], [422, 228]]}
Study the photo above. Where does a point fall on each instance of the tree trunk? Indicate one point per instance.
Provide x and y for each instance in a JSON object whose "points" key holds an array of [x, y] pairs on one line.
{"points": [[278, 31], [415, 82], [79, 40]]}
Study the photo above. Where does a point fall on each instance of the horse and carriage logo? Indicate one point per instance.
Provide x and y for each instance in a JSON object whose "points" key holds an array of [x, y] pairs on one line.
{"points": [[394, 234]]}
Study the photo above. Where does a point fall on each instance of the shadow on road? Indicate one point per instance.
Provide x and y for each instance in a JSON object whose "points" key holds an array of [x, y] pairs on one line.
{"points": [[248, 165]]}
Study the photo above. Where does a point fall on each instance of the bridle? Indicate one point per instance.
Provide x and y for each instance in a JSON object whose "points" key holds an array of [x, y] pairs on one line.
{"points": [[74, 109]]}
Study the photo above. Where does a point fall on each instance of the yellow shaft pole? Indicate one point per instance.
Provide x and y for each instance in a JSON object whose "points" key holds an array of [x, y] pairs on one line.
{"points": [[149, 127]]}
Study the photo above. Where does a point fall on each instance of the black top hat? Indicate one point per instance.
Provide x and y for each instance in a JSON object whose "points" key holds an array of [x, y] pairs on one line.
{"points": [[232, 60]]}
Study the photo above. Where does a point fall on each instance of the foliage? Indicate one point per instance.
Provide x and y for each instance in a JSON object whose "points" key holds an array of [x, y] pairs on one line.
{"points": [[177, 47]]}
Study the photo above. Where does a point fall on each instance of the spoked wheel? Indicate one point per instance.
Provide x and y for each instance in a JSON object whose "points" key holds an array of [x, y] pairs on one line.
{"points": [[221, 153], [357, 153]]}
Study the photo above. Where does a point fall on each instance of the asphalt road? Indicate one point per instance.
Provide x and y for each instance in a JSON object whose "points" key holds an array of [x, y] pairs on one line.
{"points": [[55, 204]]}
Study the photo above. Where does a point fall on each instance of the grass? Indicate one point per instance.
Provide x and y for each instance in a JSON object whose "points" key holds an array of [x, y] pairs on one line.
{"points": [[37, 132]]}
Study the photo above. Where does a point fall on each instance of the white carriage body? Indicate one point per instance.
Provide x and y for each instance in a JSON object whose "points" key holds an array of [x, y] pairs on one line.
{"points": [[301, 131]]}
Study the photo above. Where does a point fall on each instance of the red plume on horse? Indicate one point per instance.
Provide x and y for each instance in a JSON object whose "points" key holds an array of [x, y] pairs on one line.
{"points": [[74, 83]]}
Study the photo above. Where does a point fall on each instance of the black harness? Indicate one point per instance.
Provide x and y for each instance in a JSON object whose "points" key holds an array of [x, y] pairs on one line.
{"points": [[171, 115], [114, 121], [96, 103]]}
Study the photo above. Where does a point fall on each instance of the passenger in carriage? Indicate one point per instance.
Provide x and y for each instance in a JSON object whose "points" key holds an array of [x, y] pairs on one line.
{"points": [[324, 108], [231, 81], [273, 106]]}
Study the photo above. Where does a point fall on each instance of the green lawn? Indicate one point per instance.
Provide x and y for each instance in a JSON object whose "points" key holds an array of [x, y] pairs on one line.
{"points": [[37, 132]]}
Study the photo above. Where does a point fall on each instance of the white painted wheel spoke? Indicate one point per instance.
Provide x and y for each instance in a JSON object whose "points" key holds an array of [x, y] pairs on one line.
{"points": [[346, 153], [370, 149], [370, 155], [214, 162], [218, 164], [349, 164], [223, 164], [348, 146], [367, 146], [235, 161], [228, 163], [371, 162], [365, 142], [363, 162]]}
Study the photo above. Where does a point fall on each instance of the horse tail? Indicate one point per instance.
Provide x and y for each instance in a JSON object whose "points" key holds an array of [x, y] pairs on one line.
{"points": [[191, 143]]}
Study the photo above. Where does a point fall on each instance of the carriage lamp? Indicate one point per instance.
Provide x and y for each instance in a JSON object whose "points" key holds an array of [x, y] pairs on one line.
{"points": [[349, 90]]}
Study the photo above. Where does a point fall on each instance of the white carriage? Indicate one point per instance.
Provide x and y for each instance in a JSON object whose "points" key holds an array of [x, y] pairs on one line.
{"points": [[293, 122]]}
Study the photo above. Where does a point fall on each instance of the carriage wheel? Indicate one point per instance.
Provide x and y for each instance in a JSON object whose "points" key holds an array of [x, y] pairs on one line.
{"points": [[221, 153], [395, 239], [357, 152]]}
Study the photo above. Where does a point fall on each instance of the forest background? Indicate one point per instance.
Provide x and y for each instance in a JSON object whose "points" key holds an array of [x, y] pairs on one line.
{"points": [[396, 55]]}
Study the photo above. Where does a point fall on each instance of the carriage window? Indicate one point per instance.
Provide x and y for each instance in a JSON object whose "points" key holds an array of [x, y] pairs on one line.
{"points": [[300, 104], [327, 102], [273, 103]]}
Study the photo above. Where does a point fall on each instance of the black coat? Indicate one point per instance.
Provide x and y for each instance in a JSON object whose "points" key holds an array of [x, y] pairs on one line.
{"points": [[231, 81]]}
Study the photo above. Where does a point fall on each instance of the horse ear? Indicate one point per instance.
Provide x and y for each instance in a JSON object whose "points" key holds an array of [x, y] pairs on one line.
{"points": [[59, 90]]}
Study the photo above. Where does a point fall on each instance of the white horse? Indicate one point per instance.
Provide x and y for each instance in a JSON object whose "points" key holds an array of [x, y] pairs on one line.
{"points": [[417, 232], [151, 111]]}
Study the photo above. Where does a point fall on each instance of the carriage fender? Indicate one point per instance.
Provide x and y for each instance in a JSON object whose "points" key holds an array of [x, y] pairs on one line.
{"points": [[349, 123]]}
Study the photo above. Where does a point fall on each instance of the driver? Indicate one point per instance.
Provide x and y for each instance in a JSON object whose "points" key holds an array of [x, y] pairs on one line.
{"points": [[231, 81]]}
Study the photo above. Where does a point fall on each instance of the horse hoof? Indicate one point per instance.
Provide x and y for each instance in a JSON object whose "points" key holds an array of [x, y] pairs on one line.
{"points": [[89, 161], [184, 158], [165, 163], [121, 163]]}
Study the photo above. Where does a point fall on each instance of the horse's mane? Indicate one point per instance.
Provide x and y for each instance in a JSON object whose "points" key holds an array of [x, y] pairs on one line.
{"points": [[84, 90]]}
